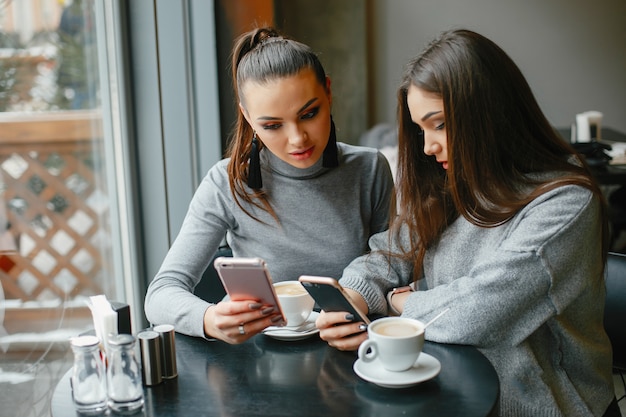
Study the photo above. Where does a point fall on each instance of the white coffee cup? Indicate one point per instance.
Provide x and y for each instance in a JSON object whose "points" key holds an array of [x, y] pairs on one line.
{"points": [[395, 341], [295, 301]]}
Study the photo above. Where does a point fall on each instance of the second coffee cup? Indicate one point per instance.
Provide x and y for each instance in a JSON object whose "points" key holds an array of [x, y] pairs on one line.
{"points": [[295, 302], [395, 341]]}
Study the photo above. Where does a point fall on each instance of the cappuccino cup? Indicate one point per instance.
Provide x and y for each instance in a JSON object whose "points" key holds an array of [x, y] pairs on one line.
{"points": [[395, 341], [295, 301]]}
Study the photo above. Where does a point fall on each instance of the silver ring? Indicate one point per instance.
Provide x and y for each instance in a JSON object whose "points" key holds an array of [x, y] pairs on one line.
{"points": [[241, 329]]}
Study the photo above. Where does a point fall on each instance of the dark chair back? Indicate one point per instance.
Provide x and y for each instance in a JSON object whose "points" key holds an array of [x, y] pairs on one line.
{"points": [[615, 309], [210, 287]]}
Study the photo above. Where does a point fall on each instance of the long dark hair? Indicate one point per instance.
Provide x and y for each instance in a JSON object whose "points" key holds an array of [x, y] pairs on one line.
{"points": [[261, 55], [498, 139]]}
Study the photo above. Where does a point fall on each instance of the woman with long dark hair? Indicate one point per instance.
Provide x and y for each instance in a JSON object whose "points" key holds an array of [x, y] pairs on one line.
{"points": [[500, 221]]}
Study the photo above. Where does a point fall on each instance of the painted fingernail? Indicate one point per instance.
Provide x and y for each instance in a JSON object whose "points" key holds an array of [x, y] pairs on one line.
{"points": [[276, 319], [349, 317], [362, 327], [255, 306], [267, 310]]}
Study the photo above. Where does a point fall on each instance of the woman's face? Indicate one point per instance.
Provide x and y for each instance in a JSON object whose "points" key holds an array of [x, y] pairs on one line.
{"points": [[291, 116], [427, 112]]}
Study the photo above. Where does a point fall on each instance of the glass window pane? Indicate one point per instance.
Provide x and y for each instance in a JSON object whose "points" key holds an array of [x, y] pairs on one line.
{"points": [[56, 215]]}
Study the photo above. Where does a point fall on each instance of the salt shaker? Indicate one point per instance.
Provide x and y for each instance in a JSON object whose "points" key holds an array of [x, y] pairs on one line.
{"points": [[124, 375], [88, 380]]}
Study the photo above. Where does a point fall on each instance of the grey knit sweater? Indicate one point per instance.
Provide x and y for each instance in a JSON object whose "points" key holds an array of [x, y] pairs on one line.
{"points": [[529, 294], [326, 218]]}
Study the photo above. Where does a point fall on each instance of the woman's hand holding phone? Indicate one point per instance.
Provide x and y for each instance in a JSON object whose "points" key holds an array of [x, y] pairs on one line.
{"points": [[340, 331], [253, 304], [343, 319], [237, 321]]}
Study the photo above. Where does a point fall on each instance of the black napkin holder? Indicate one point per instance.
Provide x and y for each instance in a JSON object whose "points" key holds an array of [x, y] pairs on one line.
{"points": [[123, 317]]}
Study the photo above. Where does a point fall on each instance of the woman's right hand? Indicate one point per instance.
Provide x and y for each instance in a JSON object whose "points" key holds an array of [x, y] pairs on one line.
{"points": [[237, 321], [338, 329]]}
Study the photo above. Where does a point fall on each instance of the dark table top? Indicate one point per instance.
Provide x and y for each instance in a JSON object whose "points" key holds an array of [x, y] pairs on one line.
{"points": [[267, 377]]}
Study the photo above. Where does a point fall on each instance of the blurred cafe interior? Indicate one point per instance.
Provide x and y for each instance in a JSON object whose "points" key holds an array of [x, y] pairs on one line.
{"points": [[112, 111]]}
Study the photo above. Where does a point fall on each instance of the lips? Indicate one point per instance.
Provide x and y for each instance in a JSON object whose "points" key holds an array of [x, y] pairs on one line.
{"points": [[301, 155], [444, 164]]}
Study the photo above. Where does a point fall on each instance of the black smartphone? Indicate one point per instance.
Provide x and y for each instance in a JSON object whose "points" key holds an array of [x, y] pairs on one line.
{"points": [[331, 296]]}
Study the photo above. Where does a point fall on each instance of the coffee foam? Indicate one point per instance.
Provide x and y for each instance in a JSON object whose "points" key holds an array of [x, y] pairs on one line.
{"points": [[290, 289], [397, 329]]}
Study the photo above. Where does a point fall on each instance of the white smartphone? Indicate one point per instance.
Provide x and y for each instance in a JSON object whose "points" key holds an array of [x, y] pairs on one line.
{"points": [[331, 296], [247, 279]]}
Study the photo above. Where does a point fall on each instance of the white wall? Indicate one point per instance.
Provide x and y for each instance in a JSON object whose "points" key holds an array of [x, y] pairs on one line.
{"points": [[572, 52]]}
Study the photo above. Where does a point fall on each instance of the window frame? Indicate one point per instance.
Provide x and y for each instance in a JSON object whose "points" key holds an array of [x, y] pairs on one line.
{"points": [[173, 119]]}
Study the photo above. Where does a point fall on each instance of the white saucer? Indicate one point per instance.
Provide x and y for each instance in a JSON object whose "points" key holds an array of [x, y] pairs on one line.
{"points": [[286, 334], [425, 368]]}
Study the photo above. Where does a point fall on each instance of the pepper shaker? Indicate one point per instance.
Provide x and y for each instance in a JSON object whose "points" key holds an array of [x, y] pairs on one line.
{"points": [[150, 347], [168, 350]]}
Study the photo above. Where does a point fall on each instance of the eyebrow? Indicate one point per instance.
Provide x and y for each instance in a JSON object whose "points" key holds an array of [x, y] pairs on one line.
{"points": [[307, 104], [429, 115]]}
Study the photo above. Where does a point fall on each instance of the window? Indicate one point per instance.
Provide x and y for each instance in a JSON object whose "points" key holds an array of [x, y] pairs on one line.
{"points": [[65, 218], [84, 135]]}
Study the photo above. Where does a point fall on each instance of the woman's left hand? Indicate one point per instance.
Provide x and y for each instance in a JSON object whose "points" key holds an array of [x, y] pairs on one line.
{"points": [[339, 331]]}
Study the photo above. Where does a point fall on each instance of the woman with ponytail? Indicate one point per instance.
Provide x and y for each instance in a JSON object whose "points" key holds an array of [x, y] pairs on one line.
{"points": [[288, 192]]}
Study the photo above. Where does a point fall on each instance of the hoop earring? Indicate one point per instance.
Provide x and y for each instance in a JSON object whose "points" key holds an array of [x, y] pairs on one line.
{"points": [[254, 166], [330, 159]]}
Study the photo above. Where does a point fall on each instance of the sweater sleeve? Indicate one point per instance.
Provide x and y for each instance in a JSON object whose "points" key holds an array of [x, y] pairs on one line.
{"points": [[170, 298], [374, 274], [506, 281]]}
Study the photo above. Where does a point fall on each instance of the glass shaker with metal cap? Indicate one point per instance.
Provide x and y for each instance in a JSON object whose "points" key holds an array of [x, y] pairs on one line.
{"points": [[124, 375], [88, 380]]}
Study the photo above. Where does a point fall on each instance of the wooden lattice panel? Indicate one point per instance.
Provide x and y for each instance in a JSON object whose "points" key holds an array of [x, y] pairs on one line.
{"points": [[57, 206]]}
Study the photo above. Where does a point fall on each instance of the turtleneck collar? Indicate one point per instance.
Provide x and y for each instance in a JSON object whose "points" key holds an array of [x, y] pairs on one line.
{"points": [[280, 167]]}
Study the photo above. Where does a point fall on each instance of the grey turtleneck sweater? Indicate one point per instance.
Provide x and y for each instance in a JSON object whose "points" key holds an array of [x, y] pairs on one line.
{"points": [[326, 218]]}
